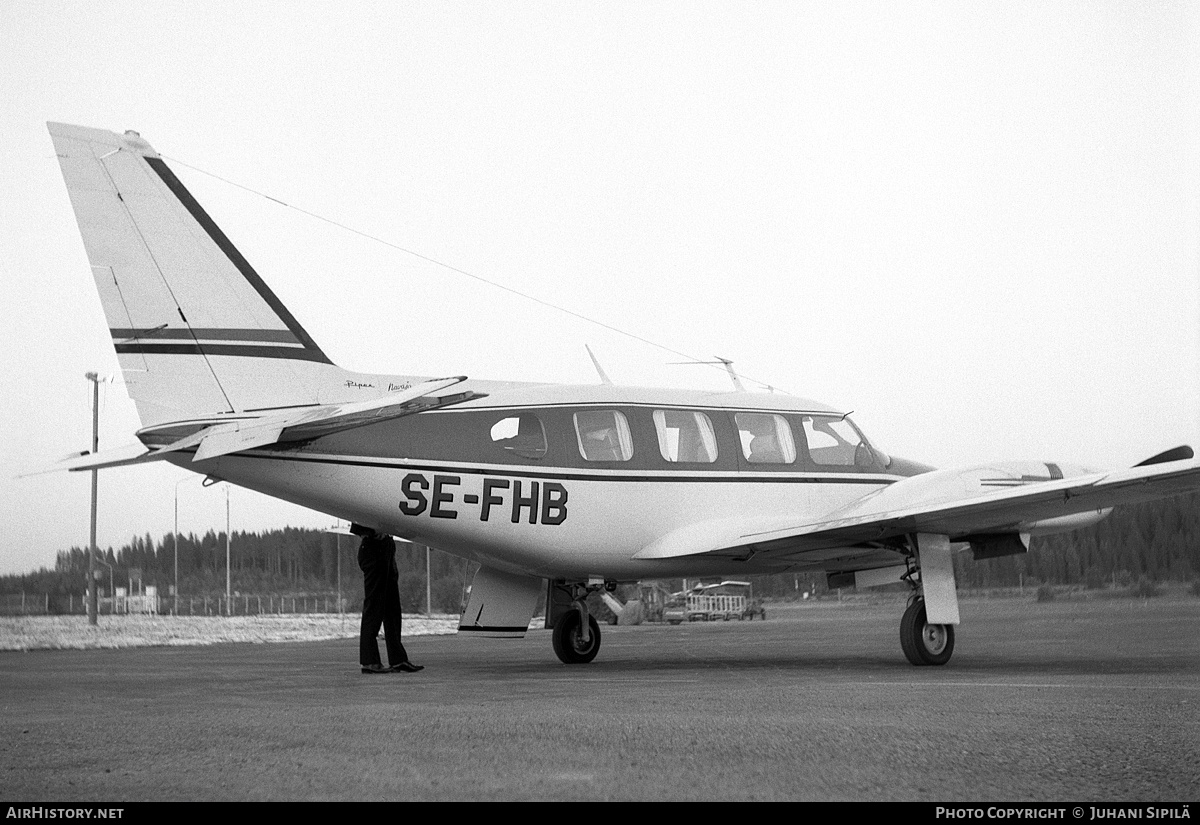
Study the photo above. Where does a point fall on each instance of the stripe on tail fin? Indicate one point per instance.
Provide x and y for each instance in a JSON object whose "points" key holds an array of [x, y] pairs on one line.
{"points": [[196, 330]]}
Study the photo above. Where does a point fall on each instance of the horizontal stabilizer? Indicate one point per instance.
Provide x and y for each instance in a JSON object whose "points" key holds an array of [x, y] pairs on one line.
{"points": [[225, 437], [237, 439], [116, 457], [337, 417], [234, 436]]}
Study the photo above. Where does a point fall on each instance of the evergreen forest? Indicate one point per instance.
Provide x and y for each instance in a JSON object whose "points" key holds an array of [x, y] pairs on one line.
{"points": [[1148, 543]]}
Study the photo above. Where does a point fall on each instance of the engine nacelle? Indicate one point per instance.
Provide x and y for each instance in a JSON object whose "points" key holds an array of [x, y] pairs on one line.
{"points": [[1062, 524]]}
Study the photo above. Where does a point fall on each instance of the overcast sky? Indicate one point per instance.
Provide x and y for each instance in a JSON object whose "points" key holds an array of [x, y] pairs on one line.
{"points": [[977, 225]]}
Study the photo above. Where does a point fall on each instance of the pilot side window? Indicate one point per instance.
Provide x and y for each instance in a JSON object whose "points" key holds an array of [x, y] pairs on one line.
{"points": [[521, 434], [603, 435], [685, 436], [766, 438], [834, 442]]}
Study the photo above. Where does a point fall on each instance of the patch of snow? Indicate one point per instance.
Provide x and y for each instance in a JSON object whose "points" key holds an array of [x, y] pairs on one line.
{"points": [[74, 632]]}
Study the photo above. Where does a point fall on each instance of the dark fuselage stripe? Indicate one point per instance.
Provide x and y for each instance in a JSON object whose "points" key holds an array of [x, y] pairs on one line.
{"points": [[521, 472], [243, 266], [587, 406], [235, 350], [258, 336], [488, 629]]}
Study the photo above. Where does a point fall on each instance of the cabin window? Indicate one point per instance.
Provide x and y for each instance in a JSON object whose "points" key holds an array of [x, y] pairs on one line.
{"points": [[603, 435], [521, 434], [834, 442], [766, 438], [685, 436]]}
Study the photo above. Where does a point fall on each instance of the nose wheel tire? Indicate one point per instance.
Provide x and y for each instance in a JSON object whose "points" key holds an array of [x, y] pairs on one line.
{"points": [[568, 641], [924, 643]]}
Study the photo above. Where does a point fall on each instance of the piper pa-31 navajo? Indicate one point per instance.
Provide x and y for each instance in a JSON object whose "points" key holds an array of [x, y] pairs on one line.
{"points": [[561, 490]]}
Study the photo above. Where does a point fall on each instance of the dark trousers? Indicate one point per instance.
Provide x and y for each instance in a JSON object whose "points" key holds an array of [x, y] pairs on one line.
{"points": [[381, 601]]}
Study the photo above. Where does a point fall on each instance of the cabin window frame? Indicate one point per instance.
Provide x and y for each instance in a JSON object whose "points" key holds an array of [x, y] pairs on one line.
{"points": [[785, 442], [705, 432], [529, 447], [622, 449]]}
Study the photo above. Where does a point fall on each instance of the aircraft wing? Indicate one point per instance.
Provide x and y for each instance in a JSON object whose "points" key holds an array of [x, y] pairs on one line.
{"points": [[958, 504], [223, 437]]}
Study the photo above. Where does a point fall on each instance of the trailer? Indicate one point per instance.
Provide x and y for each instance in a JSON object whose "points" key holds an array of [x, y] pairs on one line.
{"points": [[712, 602]]}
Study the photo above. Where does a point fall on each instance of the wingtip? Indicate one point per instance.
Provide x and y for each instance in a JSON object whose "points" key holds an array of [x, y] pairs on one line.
{"points": [[1181, 453]]}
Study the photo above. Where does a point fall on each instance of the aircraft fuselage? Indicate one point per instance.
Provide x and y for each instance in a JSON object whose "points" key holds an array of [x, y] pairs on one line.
{"points": [[530, 482]]}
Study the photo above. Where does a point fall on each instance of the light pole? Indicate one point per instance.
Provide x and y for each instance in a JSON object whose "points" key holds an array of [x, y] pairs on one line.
{"points": [[227, 536], [336, 529], [176, 602], [91, 594], [112, 590]]}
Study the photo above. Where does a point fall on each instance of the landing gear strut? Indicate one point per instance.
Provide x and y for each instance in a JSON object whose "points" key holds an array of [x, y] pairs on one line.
{"points": [[576, 636], [569, 643], [930, 574]]}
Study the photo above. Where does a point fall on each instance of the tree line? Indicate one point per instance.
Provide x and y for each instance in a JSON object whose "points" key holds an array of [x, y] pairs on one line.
{"points": [[1157, 542], [292, 562]]}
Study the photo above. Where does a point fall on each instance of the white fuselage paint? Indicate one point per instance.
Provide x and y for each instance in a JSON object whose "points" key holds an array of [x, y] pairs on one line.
{"points": [[641, 519], [606, 521]]}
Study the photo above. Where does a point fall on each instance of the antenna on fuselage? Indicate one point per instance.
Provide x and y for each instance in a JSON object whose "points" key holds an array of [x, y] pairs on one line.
{"points": [[737, 382], [604, 379]]}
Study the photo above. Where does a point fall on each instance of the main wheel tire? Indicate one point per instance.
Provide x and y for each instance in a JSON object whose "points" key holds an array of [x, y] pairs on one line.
{"points": [[924, 643], [568, 641]]}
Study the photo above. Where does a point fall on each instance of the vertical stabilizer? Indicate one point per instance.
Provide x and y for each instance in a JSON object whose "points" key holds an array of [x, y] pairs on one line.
{"points": [[196, 330]]}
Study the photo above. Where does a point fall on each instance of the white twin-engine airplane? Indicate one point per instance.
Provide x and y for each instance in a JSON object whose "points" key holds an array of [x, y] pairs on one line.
{"points": [[557, 489]]}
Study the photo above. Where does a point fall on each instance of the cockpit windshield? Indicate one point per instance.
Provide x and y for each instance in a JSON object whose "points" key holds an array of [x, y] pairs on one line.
{"points": [[834, 441]]}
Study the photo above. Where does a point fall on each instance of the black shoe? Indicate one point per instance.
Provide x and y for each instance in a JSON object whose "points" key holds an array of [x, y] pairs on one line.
{"points": [[406, 667], [376, 668]]}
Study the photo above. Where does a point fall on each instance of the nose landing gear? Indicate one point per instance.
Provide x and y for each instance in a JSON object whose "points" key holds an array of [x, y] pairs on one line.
{"points": [[576, 634], [570, 645]]}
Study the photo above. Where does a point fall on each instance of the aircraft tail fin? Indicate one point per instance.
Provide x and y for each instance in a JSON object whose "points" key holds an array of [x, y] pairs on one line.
{"points": [[197, 331]]}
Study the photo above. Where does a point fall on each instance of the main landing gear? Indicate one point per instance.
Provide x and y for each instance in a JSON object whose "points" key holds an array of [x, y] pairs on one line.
{"points": [[931, 575], [576, 634], [924, 643]]}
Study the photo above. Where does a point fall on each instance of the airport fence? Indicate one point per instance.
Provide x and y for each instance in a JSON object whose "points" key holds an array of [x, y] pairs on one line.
{"points": [[242, 604], [24, 604]]}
